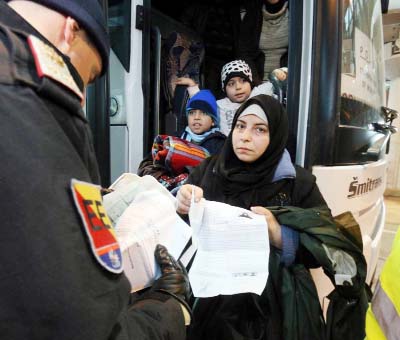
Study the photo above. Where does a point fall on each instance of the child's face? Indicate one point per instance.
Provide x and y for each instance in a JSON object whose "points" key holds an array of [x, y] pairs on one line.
{"points": [[199, 122], [250, 138], [238, 89]]}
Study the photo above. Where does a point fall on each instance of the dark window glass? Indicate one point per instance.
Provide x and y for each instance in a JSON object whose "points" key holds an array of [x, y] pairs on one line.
{"points": [[362, 78], [119, 25]]}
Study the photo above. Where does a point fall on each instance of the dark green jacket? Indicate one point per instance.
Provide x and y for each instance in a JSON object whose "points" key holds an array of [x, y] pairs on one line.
{"points": [[289, 307], [327, 243]]}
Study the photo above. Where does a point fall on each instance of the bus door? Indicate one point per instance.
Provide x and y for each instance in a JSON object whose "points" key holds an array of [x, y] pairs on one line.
{"points": [[334, 104], [138, 91], [125, 90], [174, 50]]}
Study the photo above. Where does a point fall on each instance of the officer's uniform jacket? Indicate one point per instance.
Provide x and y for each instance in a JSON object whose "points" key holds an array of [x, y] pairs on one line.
{"points": [[54, 281]]}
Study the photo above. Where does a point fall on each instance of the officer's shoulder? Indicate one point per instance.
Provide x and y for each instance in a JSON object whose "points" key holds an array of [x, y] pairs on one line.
{"points": [[50, 64]]}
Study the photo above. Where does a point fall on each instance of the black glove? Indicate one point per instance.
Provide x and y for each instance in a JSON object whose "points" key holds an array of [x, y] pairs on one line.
{"points": [[174, 279]]}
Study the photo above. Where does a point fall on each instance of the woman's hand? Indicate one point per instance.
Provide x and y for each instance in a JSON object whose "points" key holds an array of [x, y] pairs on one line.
{"points": [[184, 197], [185, 81], [274, 228]]}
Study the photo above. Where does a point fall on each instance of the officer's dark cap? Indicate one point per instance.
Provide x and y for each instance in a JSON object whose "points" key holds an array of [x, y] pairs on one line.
{"points": [[90, 16]]}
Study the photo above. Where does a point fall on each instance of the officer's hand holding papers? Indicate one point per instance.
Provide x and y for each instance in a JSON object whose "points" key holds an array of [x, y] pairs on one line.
{"points": [[232, 250], [144, 215]]}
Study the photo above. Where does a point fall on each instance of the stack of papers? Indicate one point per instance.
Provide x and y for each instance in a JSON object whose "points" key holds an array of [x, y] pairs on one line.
{"points": [[126, 188], [144, 215], [230, 244]]}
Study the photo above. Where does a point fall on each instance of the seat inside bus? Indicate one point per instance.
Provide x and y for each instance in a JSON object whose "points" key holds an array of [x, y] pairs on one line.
{"points": [[182, 54], [191, 47]]}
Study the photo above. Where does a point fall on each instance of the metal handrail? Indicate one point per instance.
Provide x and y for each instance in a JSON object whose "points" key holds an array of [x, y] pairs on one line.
{"points": [[157, 80]]}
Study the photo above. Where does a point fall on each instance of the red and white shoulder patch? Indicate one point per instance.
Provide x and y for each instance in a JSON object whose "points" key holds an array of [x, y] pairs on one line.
{"points": [[97, 225], [50, 64]]}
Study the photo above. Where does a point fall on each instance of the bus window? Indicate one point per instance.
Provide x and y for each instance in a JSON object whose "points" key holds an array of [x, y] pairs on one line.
{"points": [[362, 77], [119, 25]]}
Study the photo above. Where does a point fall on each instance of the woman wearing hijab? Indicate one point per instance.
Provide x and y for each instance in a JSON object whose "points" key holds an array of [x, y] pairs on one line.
{"points": [[254, 168], [254, 171]]}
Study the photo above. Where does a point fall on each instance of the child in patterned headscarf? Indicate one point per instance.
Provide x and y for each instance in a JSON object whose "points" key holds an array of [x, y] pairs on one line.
{"points": [[237, 83]]}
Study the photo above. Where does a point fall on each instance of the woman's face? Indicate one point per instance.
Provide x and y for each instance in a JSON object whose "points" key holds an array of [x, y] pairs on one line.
{"points": [[199, 122], [250, 138]]}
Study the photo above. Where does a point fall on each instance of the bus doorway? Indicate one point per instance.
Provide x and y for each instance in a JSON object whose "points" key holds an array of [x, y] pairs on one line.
{"points": [[334, 103]]}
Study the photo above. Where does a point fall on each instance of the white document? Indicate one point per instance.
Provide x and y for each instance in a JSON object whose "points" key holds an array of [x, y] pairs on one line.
{"points": [[144, 213], [126, 188], [232, 250]]}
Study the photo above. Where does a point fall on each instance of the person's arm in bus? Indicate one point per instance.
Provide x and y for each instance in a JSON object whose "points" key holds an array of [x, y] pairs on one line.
{"points": [[192, 86], [265, 87]]}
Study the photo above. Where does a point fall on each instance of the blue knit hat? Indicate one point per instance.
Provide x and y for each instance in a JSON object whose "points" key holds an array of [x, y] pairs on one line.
{"points": [[90, 16], [205, 101]]}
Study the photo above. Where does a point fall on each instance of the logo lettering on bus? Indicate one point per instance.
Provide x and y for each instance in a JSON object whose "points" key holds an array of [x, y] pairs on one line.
{"points": [[357, 189]]}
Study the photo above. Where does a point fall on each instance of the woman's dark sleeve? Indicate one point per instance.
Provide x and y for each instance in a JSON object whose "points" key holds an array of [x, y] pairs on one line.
{"points": [[306, 193]]}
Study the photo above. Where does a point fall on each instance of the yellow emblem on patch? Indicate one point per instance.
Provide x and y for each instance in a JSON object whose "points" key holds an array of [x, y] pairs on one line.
{"points": [[97, 225], [50, 64]]}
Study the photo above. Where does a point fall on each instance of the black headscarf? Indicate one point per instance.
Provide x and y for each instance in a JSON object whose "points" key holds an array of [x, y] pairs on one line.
{"points": [[238, 176]]}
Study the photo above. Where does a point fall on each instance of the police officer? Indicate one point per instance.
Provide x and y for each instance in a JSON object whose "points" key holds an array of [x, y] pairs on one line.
{"points": [[60, 268]]}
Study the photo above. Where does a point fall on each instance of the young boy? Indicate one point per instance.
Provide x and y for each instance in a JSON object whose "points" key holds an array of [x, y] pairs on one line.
{"points": [[204, 122], [237, 83], [172, 158]]}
